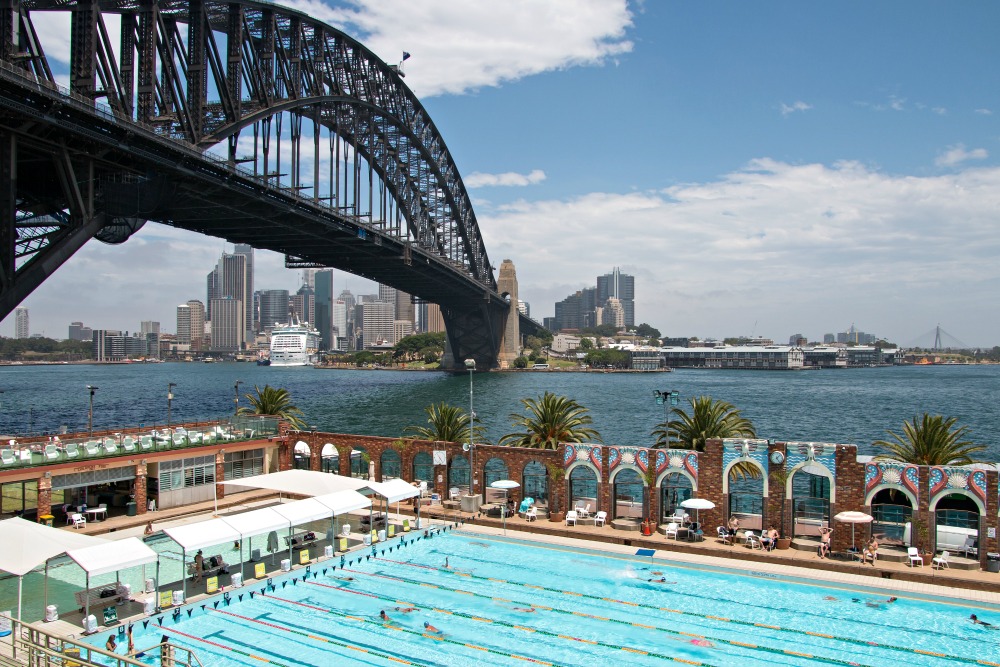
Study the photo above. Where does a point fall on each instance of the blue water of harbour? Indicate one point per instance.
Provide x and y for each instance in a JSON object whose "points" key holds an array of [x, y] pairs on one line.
{"points": [[843, 406], [503, 602]]}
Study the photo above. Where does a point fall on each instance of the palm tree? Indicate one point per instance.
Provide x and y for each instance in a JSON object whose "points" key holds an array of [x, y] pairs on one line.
{"points": [[708, 419], [274, 402], [551, 420], [446, 423], [933, 441]]}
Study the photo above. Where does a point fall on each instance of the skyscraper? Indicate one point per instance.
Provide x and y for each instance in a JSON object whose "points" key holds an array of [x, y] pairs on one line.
{"points": [[378, 322], [304, 304], [338, 326], [21, 328], [620, 286], [231, 283], [228, 327], [324, 309], [273, 308], [191, 324], [251, 320]]}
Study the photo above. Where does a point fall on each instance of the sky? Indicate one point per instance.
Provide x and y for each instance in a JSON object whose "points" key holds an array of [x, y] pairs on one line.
{"points": [[766, 169]]}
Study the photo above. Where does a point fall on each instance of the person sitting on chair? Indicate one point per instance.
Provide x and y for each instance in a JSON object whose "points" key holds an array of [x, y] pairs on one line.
{"points": [[871, 551], [824, 542], [734, 525]]}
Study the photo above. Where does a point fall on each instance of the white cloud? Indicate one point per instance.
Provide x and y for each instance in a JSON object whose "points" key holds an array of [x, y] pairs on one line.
{"points": [[956, 155], [984, 112], [461, 46], [787, 109], [798, 247], [510, 178]]}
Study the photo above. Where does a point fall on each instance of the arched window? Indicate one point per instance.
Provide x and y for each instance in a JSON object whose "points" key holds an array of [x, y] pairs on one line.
{"points": [[458, 474], [535, 483], [675, 488], [392, 465], [628, 492], [495, 470], [423, 468], [956, 523], [810, 503], [891, 510], [746, 496], [300, 456], [583, 487], [331, 459]]}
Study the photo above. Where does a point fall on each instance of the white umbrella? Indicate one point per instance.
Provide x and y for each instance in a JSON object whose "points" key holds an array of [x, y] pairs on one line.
{"points": [[697, 504], [506, 485], [853, 518]]}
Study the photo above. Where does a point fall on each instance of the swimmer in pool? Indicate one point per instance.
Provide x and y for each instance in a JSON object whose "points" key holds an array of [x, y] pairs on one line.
{"points": [[384, 616], [526, 610], [430, 628], [661, 580], [976, 621], [405, 610]]}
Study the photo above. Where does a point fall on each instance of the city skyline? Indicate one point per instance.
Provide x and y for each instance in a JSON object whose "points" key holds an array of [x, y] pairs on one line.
{"points": [[753, 174]]}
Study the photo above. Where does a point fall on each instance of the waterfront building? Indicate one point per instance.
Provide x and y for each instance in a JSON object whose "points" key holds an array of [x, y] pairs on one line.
{"points": [[79, 332], [401, 329], [21, 327], [405, 310], [620, 286], [228, 325], [377, 323], [323, 295], [435, 321], [824, 357], [246, 251], [150, 330], [829, 339], [230, 282], [563, 343], [772, 357], [273, 308], [191, 324]]}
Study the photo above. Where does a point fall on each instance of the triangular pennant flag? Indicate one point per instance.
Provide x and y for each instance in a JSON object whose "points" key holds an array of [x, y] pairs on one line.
{"points": [[284, 583], [203, 607], [145, 624], [324, 571], [189, 612], [251, 595], [241, 598], [215, 605], [159, 620]]}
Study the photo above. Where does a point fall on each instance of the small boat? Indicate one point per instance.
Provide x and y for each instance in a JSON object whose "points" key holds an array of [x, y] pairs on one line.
{"points": [[263, 362], [209, 360]]}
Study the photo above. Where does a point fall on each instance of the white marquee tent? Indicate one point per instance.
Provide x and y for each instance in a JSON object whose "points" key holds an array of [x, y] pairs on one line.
{"points": [[112, 557]]}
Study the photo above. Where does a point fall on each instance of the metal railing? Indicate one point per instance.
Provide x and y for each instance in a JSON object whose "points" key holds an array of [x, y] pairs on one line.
{"points": [[32, 646]]}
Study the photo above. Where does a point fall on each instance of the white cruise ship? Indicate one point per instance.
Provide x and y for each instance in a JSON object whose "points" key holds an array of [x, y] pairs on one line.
{"points": [[294, 344]]}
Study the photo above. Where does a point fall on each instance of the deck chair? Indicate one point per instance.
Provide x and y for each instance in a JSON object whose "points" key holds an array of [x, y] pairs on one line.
{"points": [[531, 514], [571, 517], [680, 515], [51, 453], [916, 560], [72, 451], [941, 562], [600, 518], [146, 443], [671, 530], [8, 457], [970, 548], [128, 444], [752, 541], [92, 447], [79, 521], [110, 446]]}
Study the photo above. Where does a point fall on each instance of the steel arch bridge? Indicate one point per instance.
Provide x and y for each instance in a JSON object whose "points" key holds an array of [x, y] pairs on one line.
{"points": [[242, 120]]}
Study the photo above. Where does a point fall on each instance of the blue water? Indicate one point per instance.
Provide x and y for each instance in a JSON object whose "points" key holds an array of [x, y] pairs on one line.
{"points": [[844, 406], [501, 602]]}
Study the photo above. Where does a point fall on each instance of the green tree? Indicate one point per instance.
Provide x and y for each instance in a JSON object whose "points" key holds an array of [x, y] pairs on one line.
{"points": [[647, 331], [931, 441], [708, 419], [446, 423], [586, 344], [550, 420], [274, 402], [521, 362], [604, 357]]}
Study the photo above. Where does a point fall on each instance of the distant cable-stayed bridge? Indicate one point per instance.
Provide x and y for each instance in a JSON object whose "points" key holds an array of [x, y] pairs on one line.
{"points": [[938, 339]]}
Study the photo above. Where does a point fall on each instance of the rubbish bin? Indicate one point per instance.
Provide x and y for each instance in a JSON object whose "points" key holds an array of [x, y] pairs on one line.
{"points": [[46, 519], [131, 508], [993, 562]]}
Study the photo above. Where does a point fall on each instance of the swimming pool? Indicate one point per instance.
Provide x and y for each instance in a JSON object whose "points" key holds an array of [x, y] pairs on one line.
{"points": [[507, 602]]}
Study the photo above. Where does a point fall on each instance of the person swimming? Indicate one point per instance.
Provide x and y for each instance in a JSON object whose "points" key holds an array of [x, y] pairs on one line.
{"points": [[975, 620], [405, 610], [384, 616], [430, 628], [661, 580]]}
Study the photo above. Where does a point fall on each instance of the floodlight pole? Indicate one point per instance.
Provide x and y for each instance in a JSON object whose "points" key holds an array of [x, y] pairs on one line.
{"points": [[668, 398], [236, 397], [471, 365], [90, 414], [170, 397]]}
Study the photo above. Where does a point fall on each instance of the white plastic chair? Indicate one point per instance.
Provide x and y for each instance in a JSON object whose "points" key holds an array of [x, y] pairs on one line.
{"points": [[571, 517], [970, 548], [79, 521], [600, 518], [531, 514], [583, 512], [916, 560], [941, 562], [752, 541], [671, 529]]}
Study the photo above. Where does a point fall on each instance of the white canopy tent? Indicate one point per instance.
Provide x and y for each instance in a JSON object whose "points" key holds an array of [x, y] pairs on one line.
{"points": [[112, 557], [251, 524], [198, 536], [27, 544]]}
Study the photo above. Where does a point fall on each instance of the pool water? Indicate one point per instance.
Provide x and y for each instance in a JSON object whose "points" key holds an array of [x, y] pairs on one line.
{"points": [[506, 602]]}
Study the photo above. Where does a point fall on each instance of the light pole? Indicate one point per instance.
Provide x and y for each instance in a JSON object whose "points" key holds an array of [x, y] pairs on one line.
{"points": [[90, 415], [667, 398], [170, 397], [236, 397], [471, 365]]}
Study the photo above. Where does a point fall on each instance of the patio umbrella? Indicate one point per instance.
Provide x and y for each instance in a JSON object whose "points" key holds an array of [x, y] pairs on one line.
{"points": [[506, 485], [697, 504], [853, 518]]}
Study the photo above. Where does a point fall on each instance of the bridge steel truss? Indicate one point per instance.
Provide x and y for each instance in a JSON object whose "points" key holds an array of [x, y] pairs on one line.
{"points": [[129, 142]]}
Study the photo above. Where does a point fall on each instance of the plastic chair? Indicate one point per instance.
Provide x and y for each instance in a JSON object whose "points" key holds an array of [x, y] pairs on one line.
{"points": [[531, 514], [941, 562], [79, 521], [753, 541], [671, 529], [571, 517], [600, 518]]}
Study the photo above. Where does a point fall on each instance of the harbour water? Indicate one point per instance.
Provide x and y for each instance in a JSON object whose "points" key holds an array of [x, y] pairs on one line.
{"points": [[844, 406]]}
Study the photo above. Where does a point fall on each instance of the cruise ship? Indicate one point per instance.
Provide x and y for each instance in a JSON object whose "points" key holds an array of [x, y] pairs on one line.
{"points": [[294, 344]]}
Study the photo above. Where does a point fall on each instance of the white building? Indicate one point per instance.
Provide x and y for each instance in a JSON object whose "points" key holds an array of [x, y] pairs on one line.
{"points": [[771, 357], [21, 327], [378, 323]]}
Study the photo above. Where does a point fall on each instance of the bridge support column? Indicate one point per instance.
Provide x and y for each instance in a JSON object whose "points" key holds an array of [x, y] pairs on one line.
{"points": [[473, 332], [510, 345]]}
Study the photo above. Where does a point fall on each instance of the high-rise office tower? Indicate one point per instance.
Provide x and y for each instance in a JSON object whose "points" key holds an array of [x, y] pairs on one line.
{"points": [[338, 322], [246, 251], [212, 291], [228, 325], [323, 294], [378, 322], [309, 277], [405, 311], [303, 304], [231, 283], [21, 328], [620, 286], [435, 321], [191, 324], [273, 308], [148, 327]]}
